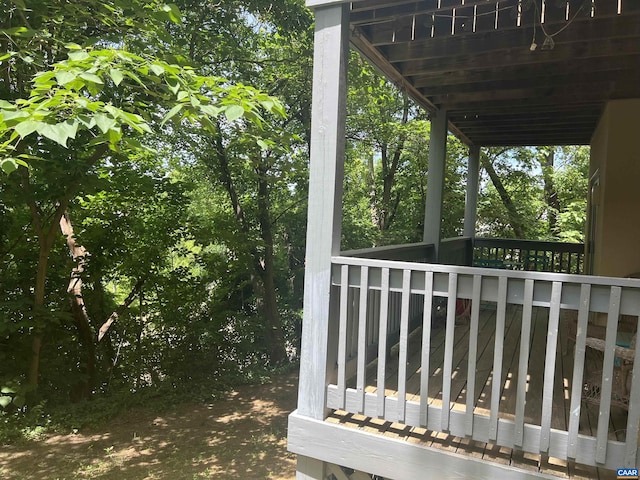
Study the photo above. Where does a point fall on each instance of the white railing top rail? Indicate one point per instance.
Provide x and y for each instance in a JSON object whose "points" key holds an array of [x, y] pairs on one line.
{"points": [[528, 244], [570, 299], [363, 252], [488, 272]]}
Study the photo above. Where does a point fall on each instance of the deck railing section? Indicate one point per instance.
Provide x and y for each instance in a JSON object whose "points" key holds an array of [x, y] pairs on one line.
{"points": [[362, 314], [456, 251], [377, 296], [506, 253], [528, 255], [410, 252]]}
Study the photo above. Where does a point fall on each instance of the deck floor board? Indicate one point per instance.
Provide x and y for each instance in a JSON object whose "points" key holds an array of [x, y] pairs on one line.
{"points": [[484, 379]]}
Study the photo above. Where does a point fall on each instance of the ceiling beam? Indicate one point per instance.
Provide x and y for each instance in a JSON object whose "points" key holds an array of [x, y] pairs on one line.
{"points": [[375, 12], [499, 41], [425, 27], [576, 67], [576, 80], [512, 59]]}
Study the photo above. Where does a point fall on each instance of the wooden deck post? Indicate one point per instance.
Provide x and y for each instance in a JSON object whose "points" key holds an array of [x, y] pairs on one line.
{"points": [[309, 468], [471, 198], [435, 179], [331, 57]]}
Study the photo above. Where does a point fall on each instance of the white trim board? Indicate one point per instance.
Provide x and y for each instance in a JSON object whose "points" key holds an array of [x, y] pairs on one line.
{"points": [[389, 457]]}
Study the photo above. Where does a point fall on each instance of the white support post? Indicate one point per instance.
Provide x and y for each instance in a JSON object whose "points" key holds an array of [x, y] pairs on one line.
{"points": [[471, 199], [325, 200], [309, 469], [435, 179]]}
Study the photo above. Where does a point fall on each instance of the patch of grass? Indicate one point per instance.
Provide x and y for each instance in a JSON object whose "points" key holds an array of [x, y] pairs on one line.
{"points": [[34, 423]]}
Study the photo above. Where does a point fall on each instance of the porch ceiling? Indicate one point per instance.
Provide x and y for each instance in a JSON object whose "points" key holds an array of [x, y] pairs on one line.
{"points": [[475, 59]]}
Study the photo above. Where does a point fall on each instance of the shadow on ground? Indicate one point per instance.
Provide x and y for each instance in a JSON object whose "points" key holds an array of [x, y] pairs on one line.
{"points": [[240, 437]]}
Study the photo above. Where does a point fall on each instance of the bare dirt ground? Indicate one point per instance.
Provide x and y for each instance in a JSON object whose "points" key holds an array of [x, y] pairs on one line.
{"points": [[242, 436]]}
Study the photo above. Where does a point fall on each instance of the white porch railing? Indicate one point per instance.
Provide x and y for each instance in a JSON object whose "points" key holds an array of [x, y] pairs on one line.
{"points": [[535, 255], [376, 303]]}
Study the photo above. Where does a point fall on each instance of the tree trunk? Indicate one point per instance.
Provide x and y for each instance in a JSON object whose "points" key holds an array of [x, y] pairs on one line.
{"points": [[79, 254], [135, 291], [45, 225], [514, 216], [550, 193], [388, 204], [46, 236], [263, 266], [275, 336], [38, 307], [371, 177]]}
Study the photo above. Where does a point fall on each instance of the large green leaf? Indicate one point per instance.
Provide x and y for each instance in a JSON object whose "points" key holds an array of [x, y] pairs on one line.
{"points": [[27, 127], [116, 75], [91, 77], [173, 12], [104, 122], [233, 112], [157, 69], [59, 132], [172, 113], [8, 115], [64, 77], [78, 55]]}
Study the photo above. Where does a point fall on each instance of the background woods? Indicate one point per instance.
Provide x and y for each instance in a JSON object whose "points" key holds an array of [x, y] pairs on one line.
{"points": [[152, 204]]}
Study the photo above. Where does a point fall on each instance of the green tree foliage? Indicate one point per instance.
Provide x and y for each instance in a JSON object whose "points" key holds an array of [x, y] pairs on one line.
{"points": [[535, 193], [260, 192], [77, 126], [387, 165]]}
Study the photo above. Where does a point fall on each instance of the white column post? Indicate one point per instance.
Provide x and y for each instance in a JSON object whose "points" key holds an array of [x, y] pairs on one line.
{"points": [[435, 179], [310, 469], [326, 173], [471, 199]]}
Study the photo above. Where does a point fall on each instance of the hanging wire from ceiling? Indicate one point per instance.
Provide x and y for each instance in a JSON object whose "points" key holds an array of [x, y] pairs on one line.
{"points": [[549, 42]]}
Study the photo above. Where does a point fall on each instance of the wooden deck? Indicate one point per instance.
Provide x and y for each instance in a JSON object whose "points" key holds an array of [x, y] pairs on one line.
{"points": [[484, 379]]}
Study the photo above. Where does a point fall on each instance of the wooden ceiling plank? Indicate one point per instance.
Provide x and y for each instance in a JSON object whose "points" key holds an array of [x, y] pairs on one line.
{"points": [[525, 142], [531, 108], [555, 11], [527, 127], [629, 6], [399, 29], [561, 54], [533, 117], [364, 7], [486, 103], [525, 137], [610, 28], [543, 94], [534, 122], [506, 14], [577, 67], [369, 12], [463, 20], [487, 128], [605, 7], [484, 18], [513, 116], [576, 80]]}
